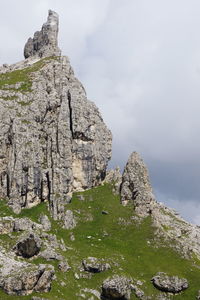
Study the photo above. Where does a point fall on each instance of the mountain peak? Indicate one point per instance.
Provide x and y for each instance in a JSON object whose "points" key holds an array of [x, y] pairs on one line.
{"points": [[44, 42]]}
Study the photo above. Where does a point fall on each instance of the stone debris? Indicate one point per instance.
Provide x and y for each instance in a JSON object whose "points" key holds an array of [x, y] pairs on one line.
{"points": [[95, 265], [170, 284], [64, 266], [44, 220], [69, 221], [116, 287], [21, 278]]}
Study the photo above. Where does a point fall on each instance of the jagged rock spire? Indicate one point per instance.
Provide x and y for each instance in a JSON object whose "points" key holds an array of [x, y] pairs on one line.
{"points": [[45, 42], [136, 187]]}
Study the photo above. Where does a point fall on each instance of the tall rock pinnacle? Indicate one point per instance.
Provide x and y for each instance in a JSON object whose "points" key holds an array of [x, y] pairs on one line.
{"points": [[53, 140], [136, 187], [45, 42]]}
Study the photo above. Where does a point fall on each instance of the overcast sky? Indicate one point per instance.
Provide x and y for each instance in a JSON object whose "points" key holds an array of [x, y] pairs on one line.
{"points": [[139, 61]]}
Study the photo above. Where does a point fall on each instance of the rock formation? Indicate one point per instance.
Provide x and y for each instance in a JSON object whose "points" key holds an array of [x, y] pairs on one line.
{"points": [[116, 288], [45, 42], [136, 187], [53, 140], [170, 284]]}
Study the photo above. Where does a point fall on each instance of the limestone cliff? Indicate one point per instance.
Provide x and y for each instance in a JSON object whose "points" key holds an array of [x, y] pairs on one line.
{"points": [[53, 140]]}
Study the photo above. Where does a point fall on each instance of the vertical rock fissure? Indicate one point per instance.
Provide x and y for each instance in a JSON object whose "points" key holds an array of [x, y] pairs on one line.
{"points": [[70, 113], [8, 185], [49, 187]]}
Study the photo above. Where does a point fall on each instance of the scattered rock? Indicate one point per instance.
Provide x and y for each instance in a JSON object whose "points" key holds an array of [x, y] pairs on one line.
{"points": [[44, 220], [72, 237], [93, 292], [25, 224], [95, 265], [28, 246], [104, 212], [64, 266], [80, 197], [171, 284], [69, 220], [198, 296], [50, 254], [117, 287], [26, 280]]}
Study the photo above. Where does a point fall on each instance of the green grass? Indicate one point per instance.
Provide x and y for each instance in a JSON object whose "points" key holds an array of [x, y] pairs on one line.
{"points": [[23, 77], [127, 245]]}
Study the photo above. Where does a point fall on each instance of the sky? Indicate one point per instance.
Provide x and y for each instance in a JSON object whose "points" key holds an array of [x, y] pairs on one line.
{"points": [[139, 61]]}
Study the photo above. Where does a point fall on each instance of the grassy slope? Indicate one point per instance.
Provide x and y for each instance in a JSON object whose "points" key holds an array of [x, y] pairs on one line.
{"points": [[129, 248]]}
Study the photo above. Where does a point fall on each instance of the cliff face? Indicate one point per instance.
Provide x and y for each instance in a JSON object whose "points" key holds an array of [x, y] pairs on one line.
{"points": [[53, 141]]}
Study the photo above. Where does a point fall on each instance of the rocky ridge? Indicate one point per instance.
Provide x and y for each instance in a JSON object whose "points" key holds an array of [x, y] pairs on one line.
{"points": [[53, 140]]}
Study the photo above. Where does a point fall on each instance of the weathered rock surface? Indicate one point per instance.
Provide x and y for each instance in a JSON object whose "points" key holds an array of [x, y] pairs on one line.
{"points": [[46, 224], [28, 246], [114, 177], [21, 278], [117, 287], [10, 224], [95, 265], [171, 284], [168, 224], [45, 42], [69, 221], [64, 266], [53, 140], [136, 187]]}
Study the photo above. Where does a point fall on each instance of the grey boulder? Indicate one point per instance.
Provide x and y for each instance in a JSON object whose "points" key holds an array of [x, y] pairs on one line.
{"points": [[95, 265], [28, 246], [171, 284], [117, 287], [28, 280]]}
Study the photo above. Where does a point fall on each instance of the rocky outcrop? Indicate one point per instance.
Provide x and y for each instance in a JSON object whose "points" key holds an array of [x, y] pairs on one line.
{"points": [[28, 246], [20, 278], [136, 187], [45, 42], [53, 140], [170, 284], [95, 265], [117, 287], [114, 177], [69, 221]]}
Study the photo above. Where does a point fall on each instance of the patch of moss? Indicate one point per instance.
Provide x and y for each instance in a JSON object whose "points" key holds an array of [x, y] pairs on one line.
{"points": [[23, 76]]}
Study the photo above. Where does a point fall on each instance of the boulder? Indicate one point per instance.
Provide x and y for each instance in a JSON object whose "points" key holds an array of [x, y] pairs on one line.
{"points": [[117, 287], [95, 265], [50, 254], [69, 221], [64, 266], [135, 187], [28, 246], [170, 284], [27, 280], [46, 224]]}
